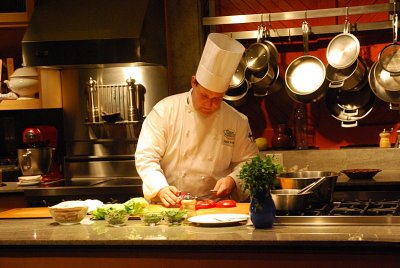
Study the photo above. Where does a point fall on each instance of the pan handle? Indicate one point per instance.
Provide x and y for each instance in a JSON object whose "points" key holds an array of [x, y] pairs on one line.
{"points": [[336, 84], [394, 106], [305, 28], [395, 25], [349, 124]]}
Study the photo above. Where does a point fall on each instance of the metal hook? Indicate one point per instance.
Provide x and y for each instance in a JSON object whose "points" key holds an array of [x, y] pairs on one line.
{"points": [[262, 21], [289, 36], [269, 20], [305, 15], [347, 13]]}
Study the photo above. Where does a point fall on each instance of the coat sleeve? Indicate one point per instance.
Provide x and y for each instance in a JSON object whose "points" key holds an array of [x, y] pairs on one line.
{"points": [[245, 149], [149, 151]]}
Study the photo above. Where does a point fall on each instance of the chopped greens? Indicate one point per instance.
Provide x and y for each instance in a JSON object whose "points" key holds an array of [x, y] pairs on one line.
{"points": [[133, 206]]}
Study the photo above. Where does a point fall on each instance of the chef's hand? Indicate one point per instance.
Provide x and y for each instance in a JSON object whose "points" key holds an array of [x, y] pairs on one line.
{"points": [[168, 195], [224, 186]]}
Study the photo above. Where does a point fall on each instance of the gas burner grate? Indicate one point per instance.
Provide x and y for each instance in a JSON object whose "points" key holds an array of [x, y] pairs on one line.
{"points": [[370, 207]]}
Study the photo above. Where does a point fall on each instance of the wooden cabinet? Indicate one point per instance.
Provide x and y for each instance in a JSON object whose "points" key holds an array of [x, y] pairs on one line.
{"points": [[17, 19], [49, 94], [12, 26]]}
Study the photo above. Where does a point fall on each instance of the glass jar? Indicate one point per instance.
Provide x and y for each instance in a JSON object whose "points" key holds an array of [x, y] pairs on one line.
{"points": [[281, 139], [384, 141], [188, 204]]}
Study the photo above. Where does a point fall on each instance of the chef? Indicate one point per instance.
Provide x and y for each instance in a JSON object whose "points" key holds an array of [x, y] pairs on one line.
{"points": [[194, 142]]}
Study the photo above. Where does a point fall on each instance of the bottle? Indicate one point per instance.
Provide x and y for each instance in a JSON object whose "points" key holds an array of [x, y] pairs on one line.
{"points": [[300, 127], [384, 141], [397, 145]]}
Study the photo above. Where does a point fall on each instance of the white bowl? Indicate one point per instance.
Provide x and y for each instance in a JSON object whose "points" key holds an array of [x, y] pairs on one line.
{"points": [[69, 212]]}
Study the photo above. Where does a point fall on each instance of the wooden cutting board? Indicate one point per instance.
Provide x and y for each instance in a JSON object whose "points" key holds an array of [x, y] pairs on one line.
{"points": [[43, 212], [25, 213]]}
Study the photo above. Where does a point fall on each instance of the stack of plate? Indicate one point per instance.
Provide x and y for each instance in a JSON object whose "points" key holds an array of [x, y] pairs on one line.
{"points": [[29, 180]]}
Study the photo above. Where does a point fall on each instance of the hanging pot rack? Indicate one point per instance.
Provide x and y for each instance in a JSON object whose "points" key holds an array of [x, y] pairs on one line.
{"points": [[301, 15]]}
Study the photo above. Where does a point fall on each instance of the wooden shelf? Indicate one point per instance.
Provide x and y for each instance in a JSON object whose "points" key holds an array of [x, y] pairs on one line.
{"points": [[24, 104]]}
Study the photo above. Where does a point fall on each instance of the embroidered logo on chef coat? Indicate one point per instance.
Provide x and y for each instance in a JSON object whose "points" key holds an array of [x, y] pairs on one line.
{"points": [[229, 137]]}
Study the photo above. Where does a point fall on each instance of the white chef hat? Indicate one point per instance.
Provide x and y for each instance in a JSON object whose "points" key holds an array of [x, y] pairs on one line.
{"points": [[219, 61]]}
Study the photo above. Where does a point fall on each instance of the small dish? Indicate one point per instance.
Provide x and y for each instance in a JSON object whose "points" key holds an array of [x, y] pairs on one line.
{"points": [[151, 218], [360, 173], [28, 183], [174, 217], [30, 178], [117, 218]]}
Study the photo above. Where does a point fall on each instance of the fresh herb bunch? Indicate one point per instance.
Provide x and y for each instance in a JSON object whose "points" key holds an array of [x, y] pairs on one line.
{"points": [[152, 218], [259, 174], [174, 216], [116, 216]]}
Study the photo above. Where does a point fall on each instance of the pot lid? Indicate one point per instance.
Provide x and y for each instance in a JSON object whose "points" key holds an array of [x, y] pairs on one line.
{"points": [[343, 50]]}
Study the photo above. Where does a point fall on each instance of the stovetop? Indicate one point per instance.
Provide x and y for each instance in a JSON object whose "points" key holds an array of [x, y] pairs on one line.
{"points": [[372, 210]]}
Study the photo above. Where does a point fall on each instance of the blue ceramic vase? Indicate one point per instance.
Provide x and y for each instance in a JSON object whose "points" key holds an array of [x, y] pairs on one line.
{"points": [[262, 210]]}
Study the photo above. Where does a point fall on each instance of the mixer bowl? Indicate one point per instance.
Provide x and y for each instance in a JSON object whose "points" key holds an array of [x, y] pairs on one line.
{"points": [[35, 161]]}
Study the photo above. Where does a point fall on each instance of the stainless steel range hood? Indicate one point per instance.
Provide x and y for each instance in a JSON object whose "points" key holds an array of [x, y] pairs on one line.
{"points": [[85, 32]]}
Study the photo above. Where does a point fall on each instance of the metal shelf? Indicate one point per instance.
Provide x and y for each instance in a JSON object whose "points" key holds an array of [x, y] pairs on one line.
{"points": [[301, 15]]}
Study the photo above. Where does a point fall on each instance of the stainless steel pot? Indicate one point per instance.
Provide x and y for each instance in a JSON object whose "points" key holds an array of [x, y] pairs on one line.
{"points": [[299, 180], [35, 161], [258, 55], [263, 78], [305, 76], [290, 200], [351, 106], [351, 78], [389, 57], [392, 97], [386, 79], [343, 49]]}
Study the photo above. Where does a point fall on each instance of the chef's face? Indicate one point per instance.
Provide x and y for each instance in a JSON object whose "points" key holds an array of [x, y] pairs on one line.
{"points": [[205, 101]]}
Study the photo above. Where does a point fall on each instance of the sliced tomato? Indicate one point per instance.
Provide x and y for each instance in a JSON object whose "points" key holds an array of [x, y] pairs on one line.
{"points": [[226, 203], [204, 204]]}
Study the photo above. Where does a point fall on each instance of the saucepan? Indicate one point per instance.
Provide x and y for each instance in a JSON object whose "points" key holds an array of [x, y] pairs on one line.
{"points": [[298, 180], [350, 106], [343, 49], [238, 87], [387, 80], [392, 97], [305, 76], [389, 57], [351, 78]]}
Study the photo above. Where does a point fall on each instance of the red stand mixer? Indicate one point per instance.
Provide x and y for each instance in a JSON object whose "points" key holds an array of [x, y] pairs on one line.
{"points": [[39, 156]]}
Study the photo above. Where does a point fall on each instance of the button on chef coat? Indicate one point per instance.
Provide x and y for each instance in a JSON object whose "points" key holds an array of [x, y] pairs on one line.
{"points": [[177, 146]]}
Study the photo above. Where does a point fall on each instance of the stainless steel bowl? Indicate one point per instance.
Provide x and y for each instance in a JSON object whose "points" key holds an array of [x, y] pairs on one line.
{"points": [[290, 200], [298, 180], [35, 161]]}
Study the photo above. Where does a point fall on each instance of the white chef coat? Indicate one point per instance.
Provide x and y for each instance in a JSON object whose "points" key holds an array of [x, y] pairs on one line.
{"points": [[177, 146]]}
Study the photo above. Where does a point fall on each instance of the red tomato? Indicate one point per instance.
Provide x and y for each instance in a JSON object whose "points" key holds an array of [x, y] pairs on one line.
{"points": [[205, 204], [226, 204]]}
